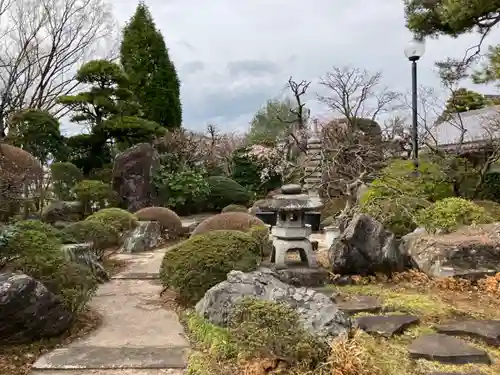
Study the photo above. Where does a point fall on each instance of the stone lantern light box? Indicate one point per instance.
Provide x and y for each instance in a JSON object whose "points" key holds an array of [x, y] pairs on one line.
{"points": [[290, 231]]}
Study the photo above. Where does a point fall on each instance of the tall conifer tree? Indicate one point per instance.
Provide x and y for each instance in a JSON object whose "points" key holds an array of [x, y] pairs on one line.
{"points": [[152, 76]]}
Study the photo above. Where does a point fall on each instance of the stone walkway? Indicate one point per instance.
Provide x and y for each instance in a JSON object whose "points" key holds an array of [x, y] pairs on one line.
{"points": [[137, 336]]}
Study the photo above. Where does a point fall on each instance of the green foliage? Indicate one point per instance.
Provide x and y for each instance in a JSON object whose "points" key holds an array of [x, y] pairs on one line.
{"points": [[394, 197], [89, 151], [37, 132], [228, 221], [490, 187], [261, 234], [272, 121], [64, 177], [180, 186], [195, 265], [131, 130], [491, 208], [102, 235], [451, 213], [52, 233], [117, 218], [152, 75], [38, 254], [234, 208], [247, 173], [463, 100], [490, 70], [224, 191], [265, 329], [94, 195], [167, 218], [450, 17]]}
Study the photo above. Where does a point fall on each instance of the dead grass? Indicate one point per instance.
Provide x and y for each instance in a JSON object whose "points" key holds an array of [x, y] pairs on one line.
{"points": [[17, 359]]}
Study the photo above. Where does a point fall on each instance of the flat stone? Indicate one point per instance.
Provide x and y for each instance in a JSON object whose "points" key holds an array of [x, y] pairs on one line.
{"points": [[446, 349], [109, 358], [303, 276], [358, 304], [485, 330], [291, 189], [136, 276], [386, 325]]}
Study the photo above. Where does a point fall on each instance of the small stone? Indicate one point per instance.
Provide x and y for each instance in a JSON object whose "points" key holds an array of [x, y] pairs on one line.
{"points": [[386, 325], [485, 330], [358, 304], [446, 349], [291, 189], [303, 277]]}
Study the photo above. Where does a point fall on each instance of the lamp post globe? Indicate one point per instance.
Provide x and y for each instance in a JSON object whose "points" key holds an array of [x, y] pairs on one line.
{"points": [[415, 49]]}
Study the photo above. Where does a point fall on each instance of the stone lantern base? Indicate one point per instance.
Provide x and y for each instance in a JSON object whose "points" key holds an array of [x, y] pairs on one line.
{"points": [[282, 246]]}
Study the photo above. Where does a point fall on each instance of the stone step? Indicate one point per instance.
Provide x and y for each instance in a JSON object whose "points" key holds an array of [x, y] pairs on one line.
{"points": [[386, 325], [485, 330]]}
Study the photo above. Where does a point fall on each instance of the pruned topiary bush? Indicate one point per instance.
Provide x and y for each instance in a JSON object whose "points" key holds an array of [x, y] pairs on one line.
{"points": [[102, 235], [38, 254], [451, 213], [47, 229], [228, 221], [234, 208], [94, 194], [265, 329], [120, 220], [195, 265], [167, 218], [261, 235], [224, 191]]}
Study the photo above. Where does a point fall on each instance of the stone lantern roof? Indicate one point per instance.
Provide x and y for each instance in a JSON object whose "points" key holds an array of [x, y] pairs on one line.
{"points": [[291, 199]]}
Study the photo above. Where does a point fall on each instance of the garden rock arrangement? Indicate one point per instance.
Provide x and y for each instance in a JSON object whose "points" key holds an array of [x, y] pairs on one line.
{"points": [[28, 311], [83, 254], [133, 172], [62, 211], [146, 236], [365, 247], [470, 252], [318, 314]]}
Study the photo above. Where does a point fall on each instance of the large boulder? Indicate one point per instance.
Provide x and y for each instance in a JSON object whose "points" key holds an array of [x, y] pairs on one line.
{"points": [[132, 178], [29, 311], [470, 252], [62, 211], [365, 247], [84, 254], [318, 314], [146, 236]]}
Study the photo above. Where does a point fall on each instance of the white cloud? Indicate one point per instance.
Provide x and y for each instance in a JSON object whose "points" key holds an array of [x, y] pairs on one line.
{"points": [[234, 55]]}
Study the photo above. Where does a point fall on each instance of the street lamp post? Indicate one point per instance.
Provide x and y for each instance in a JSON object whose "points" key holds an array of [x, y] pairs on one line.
{"points": [[414, 51]]}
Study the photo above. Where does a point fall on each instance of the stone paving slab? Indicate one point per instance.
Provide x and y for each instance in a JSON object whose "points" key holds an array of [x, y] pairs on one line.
{"points": [[110, 372]]}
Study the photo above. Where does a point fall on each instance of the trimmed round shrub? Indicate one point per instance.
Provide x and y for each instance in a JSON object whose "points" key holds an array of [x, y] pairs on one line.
{"points": [[452, 213], [167, 218], [102, 235], [120, 220], [197, 264], [265, 329], [228, 221], [224, 191], [261, 235], [47, 229], [234, 208], [39, 255], [94, 194]]}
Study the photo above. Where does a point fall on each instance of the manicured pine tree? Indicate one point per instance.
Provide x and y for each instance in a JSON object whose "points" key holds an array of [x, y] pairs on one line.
{"points": [[152, 76]]}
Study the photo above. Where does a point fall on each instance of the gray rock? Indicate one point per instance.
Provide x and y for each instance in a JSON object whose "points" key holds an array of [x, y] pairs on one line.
{"points": [[485, 330], [144, 237], [386, 325], [132, 177], [358, 304], [67, 211], [365, 247], [84, 255], [318, 314], [29, 311], [446, 349], [470, 252]]}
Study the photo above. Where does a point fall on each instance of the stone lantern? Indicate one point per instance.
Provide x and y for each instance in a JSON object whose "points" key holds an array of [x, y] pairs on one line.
{"points": [[291, 232]]}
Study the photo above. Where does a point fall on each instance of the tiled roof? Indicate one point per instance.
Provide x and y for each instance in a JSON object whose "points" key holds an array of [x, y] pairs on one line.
{"points": [[474, 122]]}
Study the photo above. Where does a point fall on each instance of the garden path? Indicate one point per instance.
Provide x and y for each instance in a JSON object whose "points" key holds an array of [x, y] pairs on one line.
{"points": [[138, 335]]}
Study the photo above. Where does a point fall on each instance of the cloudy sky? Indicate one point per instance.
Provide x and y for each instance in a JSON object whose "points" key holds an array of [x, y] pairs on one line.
{"points": [[234, 55]]}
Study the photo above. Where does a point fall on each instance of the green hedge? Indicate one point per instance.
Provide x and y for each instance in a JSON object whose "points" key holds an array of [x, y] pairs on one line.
{"points": [[224, 191]]}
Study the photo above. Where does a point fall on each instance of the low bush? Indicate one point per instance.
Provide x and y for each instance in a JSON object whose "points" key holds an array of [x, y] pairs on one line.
{"points": [[224, 191], [228, 221], [38, 254], [120, 220], [451, 213], [264, 329], [64, 176], [47, 229], [234, 208], [491, 208], [195, 265], [261, 235], [94, 194], [102, 235], [167, 218]]}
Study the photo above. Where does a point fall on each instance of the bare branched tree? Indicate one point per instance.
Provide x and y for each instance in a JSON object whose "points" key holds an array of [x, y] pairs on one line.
{"points": [[44, 43]]}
